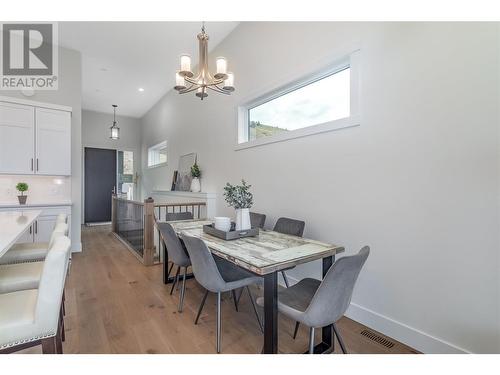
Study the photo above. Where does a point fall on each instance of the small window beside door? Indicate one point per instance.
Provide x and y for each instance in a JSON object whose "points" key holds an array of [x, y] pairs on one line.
{"points": [[157, 155]]}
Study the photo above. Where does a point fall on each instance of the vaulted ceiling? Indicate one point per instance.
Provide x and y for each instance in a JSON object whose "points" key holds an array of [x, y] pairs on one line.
{"points": [[120, 58]]}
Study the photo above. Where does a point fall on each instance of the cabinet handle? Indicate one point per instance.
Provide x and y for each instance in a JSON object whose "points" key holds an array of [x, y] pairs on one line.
{"points": [[37, 164], [36, 227], [30, 229], [31, 163]]}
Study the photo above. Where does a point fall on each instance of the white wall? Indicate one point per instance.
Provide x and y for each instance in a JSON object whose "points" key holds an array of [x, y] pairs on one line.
{"points": [[95, 133], [69, 93], [418, 181]]}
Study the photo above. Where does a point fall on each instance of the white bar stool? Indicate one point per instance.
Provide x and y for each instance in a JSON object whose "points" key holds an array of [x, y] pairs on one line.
{"points": [[33, 317], [33, 252]]}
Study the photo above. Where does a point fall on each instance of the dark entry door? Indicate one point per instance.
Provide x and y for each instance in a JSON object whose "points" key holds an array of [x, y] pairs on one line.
{"points": [[100, 182]]}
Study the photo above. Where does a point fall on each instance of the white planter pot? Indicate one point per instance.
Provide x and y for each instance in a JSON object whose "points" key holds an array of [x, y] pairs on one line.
{"points": [[195, 185], [243, 219]]}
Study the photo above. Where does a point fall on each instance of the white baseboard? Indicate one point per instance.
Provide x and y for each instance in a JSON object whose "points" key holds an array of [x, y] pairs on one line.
{"points": [[410, 336], [401, 332], [76, 247]]}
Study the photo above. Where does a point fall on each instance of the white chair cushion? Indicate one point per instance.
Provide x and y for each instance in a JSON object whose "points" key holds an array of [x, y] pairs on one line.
{"points": [[20, 254], [22, 276], [17, 318]]}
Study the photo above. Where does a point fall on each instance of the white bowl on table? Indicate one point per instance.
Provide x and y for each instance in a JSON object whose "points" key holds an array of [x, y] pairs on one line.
{"points": [[222, 223]]}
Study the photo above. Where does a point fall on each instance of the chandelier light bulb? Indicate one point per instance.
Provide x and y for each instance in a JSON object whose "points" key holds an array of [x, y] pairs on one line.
{"points": [[221, 63], [186, 66]]}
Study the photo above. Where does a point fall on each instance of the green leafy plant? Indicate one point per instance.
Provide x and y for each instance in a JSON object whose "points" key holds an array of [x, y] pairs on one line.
{"points": [[238, 196], [22, 187], [195, 170]]}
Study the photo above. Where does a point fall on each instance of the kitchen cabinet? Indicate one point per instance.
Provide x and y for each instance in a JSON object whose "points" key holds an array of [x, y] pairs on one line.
{"points": [[17, 138], [35, 139]]}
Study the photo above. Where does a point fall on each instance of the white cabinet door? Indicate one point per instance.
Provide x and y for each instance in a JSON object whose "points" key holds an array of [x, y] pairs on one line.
{"points": [[53, 142], [27, 236], [44, 226], [17, 136]]}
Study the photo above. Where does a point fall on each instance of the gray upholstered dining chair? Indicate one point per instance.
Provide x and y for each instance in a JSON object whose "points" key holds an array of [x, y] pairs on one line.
{"points": [[292, 227], [177, 255], [257, 220], [217, 275], [316, 303], [174, 216]]}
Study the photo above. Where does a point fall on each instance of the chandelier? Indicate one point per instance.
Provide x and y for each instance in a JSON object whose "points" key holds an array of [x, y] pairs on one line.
{"points": [[186, 81]]}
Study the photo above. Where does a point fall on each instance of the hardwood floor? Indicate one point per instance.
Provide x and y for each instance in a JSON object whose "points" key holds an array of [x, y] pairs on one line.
{"points": [[114, 304]]}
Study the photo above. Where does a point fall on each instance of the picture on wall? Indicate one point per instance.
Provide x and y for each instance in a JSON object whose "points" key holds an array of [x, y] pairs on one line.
{"points": [[184, 178]]}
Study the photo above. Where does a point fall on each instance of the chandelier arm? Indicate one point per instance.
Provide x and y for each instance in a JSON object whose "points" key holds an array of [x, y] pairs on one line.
{"points": [[223, 90], [193, 81], [189, 89], [217, 89]]}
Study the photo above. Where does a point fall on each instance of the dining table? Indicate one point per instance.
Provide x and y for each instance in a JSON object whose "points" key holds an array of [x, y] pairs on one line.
{"points": [[265, 255], [12, 226]]}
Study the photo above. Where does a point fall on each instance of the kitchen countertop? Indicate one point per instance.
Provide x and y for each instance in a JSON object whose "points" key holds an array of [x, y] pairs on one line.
{"points": [[35, 204], [13, 224]]}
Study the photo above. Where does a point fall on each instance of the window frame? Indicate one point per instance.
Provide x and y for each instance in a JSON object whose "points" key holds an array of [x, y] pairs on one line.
{"points": [[158, 146], [350, 60]]}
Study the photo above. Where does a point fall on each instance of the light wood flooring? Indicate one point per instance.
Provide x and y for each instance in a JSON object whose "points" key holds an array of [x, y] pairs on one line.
{"points": [[114, 304]]}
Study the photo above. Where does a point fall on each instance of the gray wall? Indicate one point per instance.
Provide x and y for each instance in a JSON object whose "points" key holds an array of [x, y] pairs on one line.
{"points": [[417, 181], [70, 94], [95, 133]]}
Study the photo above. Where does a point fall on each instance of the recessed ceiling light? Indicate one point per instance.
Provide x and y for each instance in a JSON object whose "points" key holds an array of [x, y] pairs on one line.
{"points": [[140, 89]]}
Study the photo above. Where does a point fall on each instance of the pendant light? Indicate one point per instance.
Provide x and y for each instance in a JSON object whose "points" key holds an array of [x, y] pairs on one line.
{"points": [[114, 130]]}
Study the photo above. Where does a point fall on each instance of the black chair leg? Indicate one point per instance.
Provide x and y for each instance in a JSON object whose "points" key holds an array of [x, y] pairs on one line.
{"points": [[235, 300], [170, 270], [200, 309], [341, 341], [285, 279], [255, 309], [297, 324], [176, 280], [183, 290]]}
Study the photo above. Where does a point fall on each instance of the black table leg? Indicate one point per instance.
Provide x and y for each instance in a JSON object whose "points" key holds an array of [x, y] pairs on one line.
{"points": [[327, 344], [271, 313]]}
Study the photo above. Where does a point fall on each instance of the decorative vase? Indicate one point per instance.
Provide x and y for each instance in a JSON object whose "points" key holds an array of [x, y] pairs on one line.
{"points": [[195, 185], [243, 219], [22, 199]]}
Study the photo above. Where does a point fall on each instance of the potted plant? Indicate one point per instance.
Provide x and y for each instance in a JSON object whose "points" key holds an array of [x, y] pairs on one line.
{"points": [[195, 182], [239, 197], [22, 187]]}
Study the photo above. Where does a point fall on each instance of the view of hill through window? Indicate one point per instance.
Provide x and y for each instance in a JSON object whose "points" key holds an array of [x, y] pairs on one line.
{"points": [[321, 101]]}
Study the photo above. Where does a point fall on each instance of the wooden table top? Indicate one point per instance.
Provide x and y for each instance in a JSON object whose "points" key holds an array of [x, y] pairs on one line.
{"points": [[268, 252], [13, 224]]}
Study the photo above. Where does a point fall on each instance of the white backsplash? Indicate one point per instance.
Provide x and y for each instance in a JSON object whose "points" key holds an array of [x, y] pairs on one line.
{"points": [[42, 189]]}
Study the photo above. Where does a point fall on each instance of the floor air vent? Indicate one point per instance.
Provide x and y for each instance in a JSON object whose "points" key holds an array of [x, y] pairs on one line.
{"points": [[377, 338]]}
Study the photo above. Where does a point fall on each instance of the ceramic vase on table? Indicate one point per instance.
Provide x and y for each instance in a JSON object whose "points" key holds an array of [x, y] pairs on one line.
{"points": [[195, 185], [243, 219]]}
